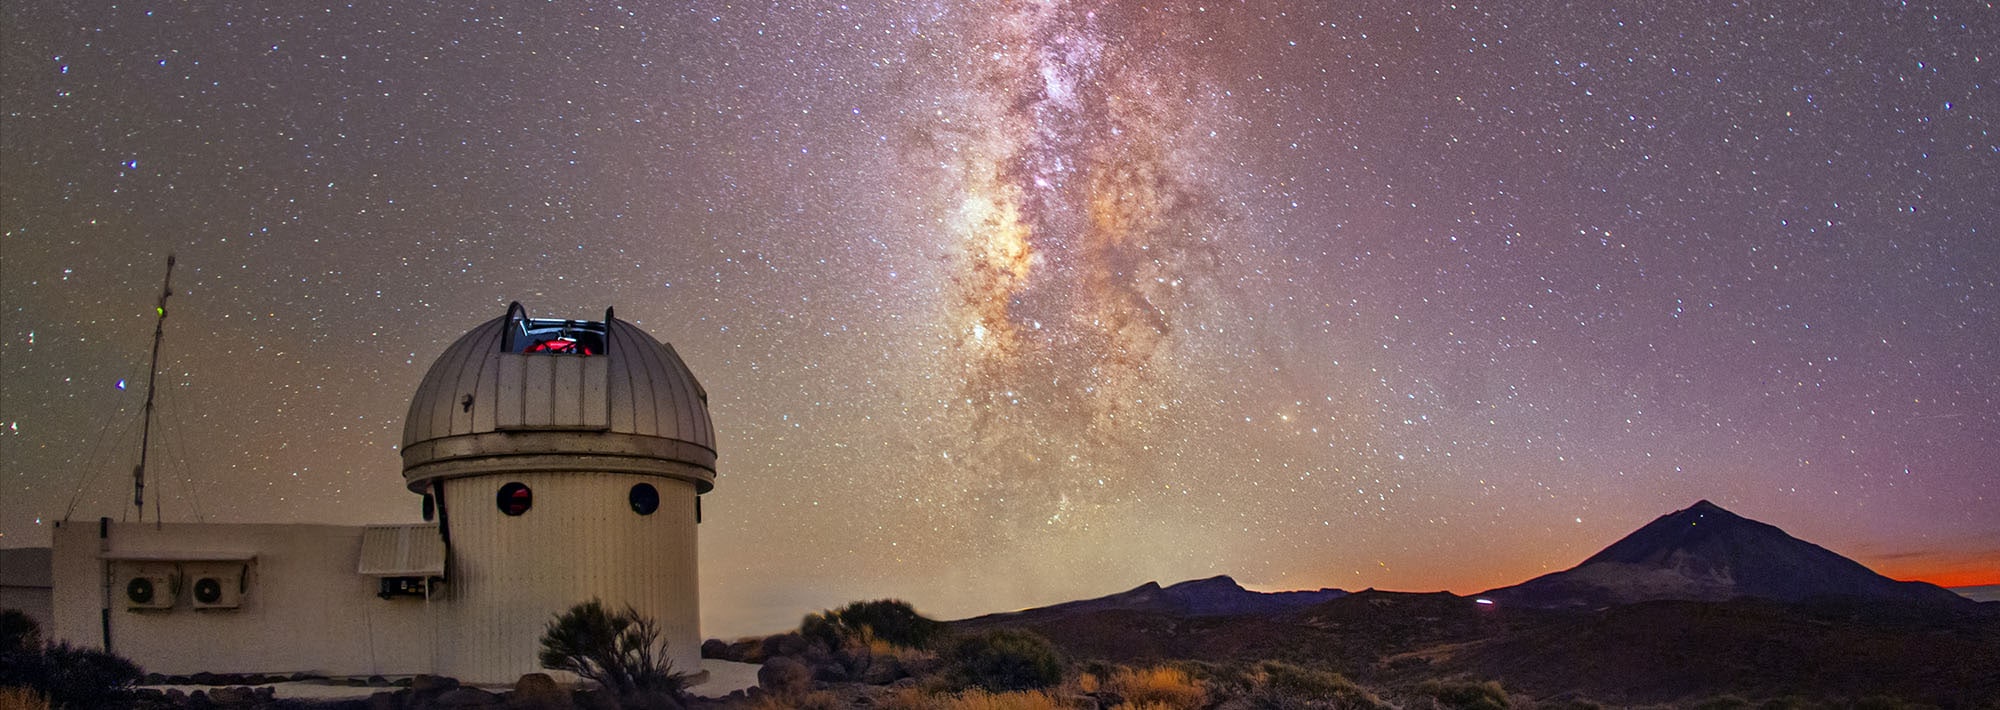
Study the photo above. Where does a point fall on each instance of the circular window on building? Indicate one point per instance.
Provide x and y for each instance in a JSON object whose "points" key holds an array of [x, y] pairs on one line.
{"points": [[645, 498], [515, 498]]}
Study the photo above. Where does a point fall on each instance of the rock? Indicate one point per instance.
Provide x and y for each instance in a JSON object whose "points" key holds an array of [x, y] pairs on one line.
{"points": [[376, 681], [883, 670], [538, 691], [386, 701], [235, 695], [715, 648], [832, 672], [432, 683], [466, 698], [785, 644], [205, 679], [784, 676]]}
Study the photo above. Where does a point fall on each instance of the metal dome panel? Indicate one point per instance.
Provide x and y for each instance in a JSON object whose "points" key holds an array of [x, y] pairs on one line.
{"points": [[515, 391]]}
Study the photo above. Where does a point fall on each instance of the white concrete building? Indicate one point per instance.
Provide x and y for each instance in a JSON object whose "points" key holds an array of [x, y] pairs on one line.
{"points": [[559, 461]]}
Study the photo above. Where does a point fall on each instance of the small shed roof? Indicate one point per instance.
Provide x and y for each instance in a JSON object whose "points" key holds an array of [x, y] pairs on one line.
{"points": [[402, 551]]}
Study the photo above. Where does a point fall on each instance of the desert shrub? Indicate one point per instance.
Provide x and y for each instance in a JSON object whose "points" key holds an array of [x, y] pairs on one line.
{"points": [[1884, 702], [816, 700], [18, 633], [58, 675], [890, 620], [1466, 695], [1722, 702], [1001, 660], [973, 699], [1161, 686], [1283, 685], [19, 698], [1573, 703], [620, 650], [71, 677]]}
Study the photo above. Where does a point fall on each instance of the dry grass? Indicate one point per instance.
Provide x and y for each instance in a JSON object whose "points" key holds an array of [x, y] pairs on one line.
{"points": [[816, 700], [22, 699], [975, 699], [1160, 687]]}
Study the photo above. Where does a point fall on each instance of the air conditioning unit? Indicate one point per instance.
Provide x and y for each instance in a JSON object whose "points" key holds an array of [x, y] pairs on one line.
{"points": [[215, 585], [149, 586]]}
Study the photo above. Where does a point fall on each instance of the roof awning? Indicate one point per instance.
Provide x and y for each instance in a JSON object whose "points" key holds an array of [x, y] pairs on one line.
{"points": [[402, 551], [177, 556]]}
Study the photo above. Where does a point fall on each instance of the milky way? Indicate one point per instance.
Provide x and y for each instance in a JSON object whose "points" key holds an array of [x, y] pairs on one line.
{"points": [[1082, 230], [1008, 303]]}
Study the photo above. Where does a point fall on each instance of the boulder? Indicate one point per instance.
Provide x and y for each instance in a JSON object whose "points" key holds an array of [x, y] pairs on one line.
{"points": [[466, 698], [883, 670], [784, 676], [432, 683], [786, 644], [538, 691], [715, 648]]}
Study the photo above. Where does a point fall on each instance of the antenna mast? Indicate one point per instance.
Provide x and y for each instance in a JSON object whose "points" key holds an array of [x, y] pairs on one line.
{"points": [[152, 372]]}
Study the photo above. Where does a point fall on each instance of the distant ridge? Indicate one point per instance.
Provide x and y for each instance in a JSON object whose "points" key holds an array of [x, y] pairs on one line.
{"points": [[1215, 596], [1706, 553]]}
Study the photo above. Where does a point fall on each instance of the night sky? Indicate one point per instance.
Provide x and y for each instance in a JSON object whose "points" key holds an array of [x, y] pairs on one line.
{"points": [[1007, 303]]}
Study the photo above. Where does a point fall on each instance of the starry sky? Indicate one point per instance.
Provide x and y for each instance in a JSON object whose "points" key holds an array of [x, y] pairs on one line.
{"points": [[1006, 303]]}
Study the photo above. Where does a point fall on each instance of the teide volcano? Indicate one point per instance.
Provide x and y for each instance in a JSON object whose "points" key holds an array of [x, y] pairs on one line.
{"points": [[1706, 553]]}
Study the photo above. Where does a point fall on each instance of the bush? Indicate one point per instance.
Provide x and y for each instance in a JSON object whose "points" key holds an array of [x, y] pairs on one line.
{"points": [[1002, 660], [61, 675], [18, 633], [890, 620], [17, 698], [1466, 695], [1283, 685], [1163, 686], [622, 651], [73, 677]]}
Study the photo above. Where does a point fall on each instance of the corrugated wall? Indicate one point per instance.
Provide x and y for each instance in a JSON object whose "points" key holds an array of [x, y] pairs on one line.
{"points": [[510, 575]]}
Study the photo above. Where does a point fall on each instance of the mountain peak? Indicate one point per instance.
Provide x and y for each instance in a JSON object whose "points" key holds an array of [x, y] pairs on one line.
{"points": [[1707, 553]]}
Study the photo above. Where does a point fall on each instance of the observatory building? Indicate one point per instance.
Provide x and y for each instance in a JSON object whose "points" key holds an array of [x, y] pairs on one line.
{"points": [[558, 461]]}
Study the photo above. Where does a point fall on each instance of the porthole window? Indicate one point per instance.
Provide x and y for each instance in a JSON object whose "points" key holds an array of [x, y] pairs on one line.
{"points": [[515, 498], [645, 498]]}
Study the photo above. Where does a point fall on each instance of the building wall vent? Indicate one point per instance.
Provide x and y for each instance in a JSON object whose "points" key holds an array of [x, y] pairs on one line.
{"points": [[148, 586], [215, 586]]}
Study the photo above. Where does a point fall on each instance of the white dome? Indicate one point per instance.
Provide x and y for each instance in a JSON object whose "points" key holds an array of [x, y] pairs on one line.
{"points": [[519, 394]]}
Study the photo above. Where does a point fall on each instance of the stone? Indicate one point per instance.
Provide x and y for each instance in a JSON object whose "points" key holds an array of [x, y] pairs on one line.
{"points": [[386, 700], [715, 648], [538, 691], [883, 670], [784, 676], [785, 644], [432, 683], [234, 695], [466, 698]]}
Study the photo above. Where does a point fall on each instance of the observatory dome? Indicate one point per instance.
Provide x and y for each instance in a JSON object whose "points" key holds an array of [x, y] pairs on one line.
{"points": [[520, 394]]}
